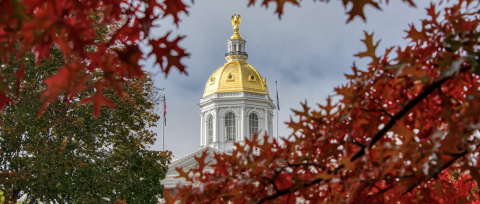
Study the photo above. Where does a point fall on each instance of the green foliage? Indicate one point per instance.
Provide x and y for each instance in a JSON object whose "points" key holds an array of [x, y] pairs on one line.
{"points": [[68, 156]]}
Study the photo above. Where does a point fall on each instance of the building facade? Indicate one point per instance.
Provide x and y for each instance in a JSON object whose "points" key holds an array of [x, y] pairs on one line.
{"points": [[235, 105]]}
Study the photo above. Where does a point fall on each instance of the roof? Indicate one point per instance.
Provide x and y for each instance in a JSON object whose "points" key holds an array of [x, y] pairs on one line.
{"points": [[189, 161], [236, 76]]}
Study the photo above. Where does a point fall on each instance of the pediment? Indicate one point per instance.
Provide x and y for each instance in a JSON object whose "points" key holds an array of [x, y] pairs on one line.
{"points": [[189, 161]]}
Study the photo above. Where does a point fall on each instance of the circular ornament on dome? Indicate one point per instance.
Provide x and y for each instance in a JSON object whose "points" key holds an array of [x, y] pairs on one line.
{"points": [[252, 77], [230, 77]]}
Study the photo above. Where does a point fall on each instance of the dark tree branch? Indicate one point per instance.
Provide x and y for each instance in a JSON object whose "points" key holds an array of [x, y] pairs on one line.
{"points": [[380, 191], [425, 92], [444, 166]]}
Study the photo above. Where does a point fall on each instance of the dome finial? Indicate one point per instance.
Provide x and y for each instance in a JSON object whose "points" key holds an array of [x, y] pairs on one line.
{"points": [[236, 20]]}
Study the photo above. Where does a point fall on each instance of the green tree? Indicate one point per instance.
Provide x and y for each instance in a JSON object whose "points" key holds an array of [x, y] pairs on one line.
{"points": [[69, 156]]}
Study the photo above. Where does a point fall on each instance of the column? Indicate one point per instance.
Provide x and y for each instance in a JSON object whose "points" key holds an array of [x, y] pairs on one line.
{"points": [[242, 124], [265, 116], [221, 130], [238, 130], [205, 129], [215, 124], [201, 129]]}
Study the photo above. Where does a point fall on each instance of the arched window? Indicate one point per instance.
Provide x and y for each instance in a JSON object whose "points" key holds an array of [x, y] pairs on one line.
{"points": [[229, 48], [234, 47], [230, 128], [210, 129], [252, 125]]}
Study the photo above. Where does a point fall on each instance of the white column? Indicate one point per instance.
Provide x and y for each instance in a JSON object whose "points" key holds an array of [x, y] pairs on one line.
{"points": [[201, 129], [205, 130], [215, 125], [265, 115], [246, 127], [237, 121], [242, 124], [221, 130]]}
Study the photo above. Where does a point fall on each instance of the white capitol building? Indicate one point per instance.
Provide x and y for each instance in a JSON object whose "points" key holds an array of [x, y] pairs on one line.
{"points": [[235, 105]]}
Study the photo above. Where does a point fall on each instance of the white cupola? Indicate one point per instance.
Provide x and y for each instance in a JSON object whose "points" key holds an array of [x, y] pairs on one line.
{"points": [[236, 102]]}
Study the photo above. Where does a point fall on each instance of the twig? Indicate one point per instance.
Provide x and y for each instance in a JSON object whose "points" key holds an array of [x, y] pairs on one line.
{"points": [[381, 190], [383, 109]]}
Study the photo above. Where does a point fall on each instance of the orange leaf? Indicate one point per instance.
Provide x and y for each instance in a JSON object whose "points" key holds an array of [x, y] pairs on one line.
{"points": [[183, 174], [371, 48], [201, 161], [416, 35], [358, 7]]}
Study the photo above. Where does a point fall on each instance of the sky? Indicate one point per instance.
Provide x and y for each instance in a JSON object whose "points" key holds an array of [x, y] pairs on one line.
{"points": [[307, 51]]}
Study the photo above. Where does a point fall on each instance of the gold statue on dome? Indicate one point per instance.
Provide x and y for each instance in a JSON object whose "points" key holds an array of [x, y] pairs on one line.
{"points": [[236, 20]]}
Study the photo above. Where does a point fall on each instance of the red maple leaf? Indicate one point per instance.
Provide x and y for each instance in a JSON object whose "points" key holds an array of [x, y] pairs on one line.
{"points": [[174, 7], [170, 50], [56, 84], [98, 99], [3, 100], [129, 56], [280, 5], [20, 74], [3, 96]]}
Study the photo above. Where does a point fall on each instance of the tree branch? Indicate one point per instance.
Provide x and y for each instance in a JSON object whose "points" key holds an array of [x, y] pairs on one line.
{"points": [[444, 166], [383, 109], [425, 92]]}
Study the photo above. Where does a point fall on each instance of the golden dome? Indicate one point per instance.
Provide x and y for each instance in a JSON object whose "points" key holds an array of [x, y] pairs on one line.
{"points": [[235, 76]]}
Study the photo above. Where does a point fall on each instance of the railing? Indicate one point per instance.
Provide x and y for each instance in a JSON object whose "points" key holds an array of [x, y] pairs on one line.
{"points": [[234, 94], [255, 95], [230, 139], [236, 53], [229, 94]]}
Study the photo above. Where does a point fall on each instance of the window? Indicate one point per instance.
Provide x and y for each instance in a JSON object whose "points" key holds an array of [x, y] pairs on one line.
{"points": [[210, 130], [230, 128], [252, 125], [234, 47]]}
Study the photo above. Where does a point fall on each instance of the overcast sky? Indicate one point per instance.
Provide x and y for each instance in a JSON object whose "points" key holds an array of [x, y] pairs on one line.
{"points": [[307, 52]]}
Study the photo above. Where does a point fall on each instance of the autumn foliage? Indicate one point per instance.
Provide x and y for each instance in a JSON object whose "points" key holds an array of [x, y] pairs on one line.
{"points": [[403, 130], [36, 25]]}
